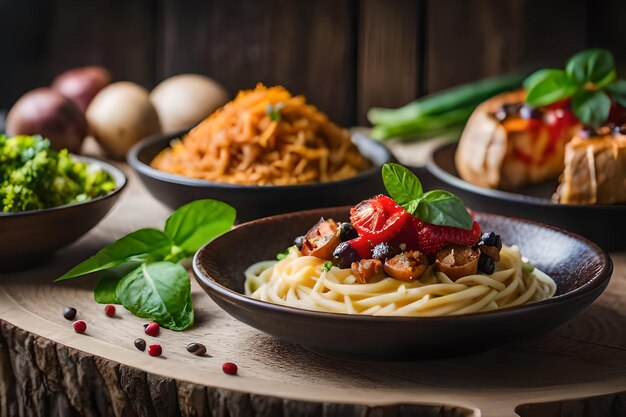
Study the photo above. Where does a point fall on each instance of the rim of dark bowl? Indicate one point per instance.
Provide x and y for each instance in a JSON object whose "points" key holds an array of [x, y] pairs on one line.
{"points": [[460, 183], [602, 278], [117, 174], [145, 169]]}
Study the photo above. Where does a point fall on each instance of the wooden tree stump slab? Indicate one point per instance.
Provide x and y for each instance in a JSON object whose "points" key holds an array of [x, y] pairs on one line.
{"points": [[48, 370]]}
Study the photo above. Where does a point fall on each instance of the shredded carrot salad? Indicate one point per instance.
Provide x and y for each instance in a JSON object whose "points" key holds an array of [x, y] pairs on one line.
{"points": [[265, 136]]}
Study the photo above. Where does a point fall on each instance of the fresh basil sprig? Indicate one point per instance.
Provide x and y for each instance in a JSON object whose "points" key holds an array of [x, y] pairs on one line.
{"points": [[437, 207], [142, 271], [589, 79]]}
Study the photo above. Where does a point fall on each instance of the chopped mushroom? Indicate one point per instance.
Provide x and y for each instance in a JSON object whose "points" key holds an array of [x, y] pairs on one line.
{"points": [[406, 266], [321, 240], [365, 269], [457, 261]]}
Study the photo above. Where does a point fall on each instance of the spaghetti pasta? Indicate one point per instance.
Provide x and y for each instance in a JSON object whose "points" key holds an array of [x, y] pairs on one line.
{"points": [[265, 136], [305, 282]]}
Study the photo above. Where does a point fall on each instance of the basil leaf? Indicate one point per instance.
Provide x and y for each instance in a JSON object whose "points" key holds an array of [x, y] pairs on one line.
{"points": [[401, 184], [444, 209], [104, 293], [534, 78], [548, 86], [590, 66], [606, 80], [196, 223], [618, 91], [160, 292], [591, 107], [411, 206], [139, 246]]}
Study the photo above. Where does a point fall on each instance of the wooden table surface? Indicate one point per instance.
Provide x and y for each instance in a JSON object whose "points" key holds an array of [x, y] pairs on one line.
{"points": [[47, 369]]}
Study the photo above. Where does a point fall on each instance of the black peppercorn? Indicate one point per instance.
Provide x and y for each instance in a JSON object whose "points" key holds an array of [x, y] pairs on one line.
{"points": [[69, 313], [140, 344], [197, 349]]}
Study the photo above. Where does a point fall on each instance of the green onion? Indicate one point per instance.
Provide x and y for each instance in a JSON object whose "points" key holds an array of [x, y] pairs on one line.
{"points": [[425, 126], [439, 111]]}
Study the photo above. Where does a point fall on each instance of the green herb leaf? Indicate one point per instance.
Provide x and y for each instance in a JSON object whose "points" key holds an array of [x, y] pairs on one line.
{"points": [[411, 207], [535, 78], [282, 254], [273, 111], [444, 209], [527, 266], [591, 107], [548, 86], [605, 81], [591, 66], [139, 246], [160, 292], [401, 184], [327, 266], [618, 91], [104, 293], [198, 222]]}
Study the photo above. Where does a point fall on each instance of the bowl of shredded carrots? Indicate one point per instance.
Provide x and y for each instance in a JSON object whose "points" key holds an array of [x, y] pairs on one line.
{"points": [[265, 152]]}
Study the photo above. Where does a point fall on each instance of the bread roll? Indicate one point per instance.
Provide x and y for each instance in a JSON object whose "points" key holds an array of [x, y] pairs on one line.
{"points": [[595, 171]]}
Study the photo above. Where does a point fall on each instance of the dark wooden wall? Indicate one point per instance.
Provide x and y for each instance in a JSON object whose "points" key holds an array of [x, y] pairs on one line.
{"points": [[345, 55]]}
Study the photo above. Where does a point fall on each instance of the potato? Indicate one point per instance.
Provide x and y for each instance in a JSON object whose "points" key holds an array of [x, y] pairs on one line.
{"points": [[120, 115], [82, 84], [185, 100], [50, 114]]}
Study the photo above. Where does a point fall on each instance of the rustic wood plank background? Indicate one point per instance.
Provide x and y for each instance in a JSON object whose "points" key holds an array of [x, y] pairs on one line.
{"points": [[345, 55]]}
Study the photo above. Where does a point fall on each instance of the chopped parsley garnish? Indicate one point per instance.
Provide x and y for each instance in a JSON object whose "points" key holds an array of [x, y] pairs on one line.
{"points": [[283, 254], [273, 111]]}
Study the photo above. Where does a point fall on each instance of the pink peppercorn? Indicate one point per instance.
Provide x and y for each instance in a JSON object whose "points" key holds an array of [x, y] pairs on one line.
{"points": [[109, 310], [152, 329], [79, 326], [155, 350], [229, 368]]}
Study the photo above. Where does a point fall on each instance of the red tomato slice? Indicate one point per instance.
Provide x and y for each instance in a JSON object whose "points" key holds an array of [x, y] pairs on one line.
{"points": [[409, 234], [378, 219]]}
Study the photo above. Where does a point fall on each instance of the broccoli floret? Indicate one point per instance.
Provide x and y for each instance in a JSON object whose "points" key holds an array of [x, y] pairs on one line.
{"points": [[19, 198], [33, 176]]}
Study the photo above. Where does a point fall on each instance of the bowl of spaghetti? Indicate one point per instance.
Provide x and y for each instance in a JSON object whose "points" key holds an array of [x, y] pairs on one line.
{"points": [[326, 307], [265, 152]]}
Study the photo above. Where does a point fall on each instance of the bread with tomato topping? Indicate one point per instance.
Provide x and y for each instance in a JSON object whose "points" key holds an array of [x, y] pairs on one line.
{"points": [[503, 148]]}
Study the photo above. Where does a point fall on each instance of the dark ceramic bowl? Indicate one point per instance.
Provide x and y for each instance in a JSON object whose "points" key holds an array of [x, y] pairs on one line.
{"points": [[598, 223], [31, 237], [252, 201], [580, 269]]}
